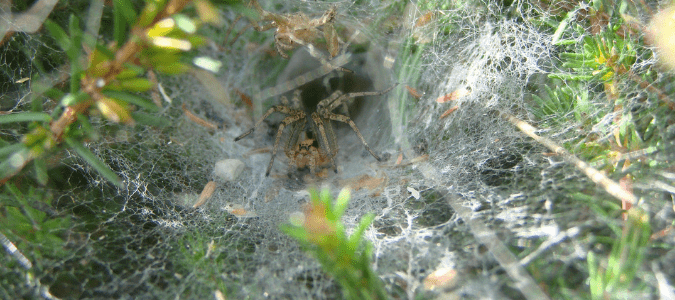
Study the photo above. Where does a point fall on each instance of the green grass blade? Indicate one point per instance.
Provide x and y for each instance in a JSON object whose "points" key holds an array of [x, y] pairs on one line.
{"points": [[59, 35], [40, 167], [93, 161], [132, 99], [357, 235], [561, 27], [119, 25], [126, 10], [25, 117], [75, 37]]}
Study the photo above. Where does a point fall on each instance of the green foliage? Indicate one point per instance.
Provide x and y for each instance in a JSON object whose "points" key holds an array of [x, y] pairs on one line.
{"points": [[106, 83], [25, 117], [596, 67], [563, 104], [91, 158], [321, 233], [601, 58], [600, 47], [624, 261], [25, 221], [202, 256]]}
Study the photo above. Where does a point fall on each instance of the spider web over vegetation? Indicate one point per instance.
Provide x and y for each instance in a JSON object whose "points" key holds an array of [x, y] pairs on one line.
{"points": [[462, 191]]}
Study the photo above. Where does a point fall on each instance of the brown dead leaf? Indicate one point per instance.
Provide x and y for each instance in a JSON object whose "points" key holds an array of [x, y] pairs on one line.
{"points": [[425, 19], [258, 151], [413, 92], [399, 159], [198, 120], [419, 158], [207, 192], [375, 184], [448, 112], [662, 233], [411, 161], [239, 211], [244, 98], [459, 93]]}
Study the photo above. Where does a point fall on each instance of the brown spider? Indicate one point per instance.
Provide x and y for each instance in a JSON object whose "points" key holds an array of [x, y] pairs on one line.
{"points": [[304, 153], [297, 29]]}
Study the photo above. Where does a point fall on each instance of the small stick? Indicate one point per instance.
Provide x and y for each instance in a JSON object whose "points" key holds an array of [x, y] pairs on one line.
{"points": [[596, 176]]}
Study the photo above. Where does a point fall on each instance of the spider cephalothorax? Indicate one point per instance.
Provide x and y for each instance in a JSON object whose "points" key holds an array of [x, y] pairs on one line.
{"points": [[305, 153]]}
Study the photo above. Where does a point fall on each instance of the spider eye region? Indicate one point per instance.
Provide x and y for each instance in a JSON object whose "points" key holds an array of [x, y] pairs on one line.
{"points": [[306, 144]]}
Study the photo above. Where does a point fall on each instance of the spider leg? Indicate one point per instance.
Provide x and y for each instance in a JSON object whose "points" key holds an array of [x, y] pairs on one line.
{"points": [[328, 103], [288, 120], [345, 119], [328, 17], [331, 37], [227, 35], [317, 54], [257, 7], [252, 23], [331, 138], [240, 33], [278, 108], [265, 27], [292, 141], [328, 30], [280, 47], [337, 98], [322, 132], [312, 159], [295, 101], [293, 159]]}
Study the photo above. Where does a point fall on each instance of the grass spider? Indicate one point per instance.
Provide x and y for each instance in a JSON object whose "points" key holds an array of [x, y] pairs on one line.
{"points": [[298, 29], [293, 30], [322, 148]]}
